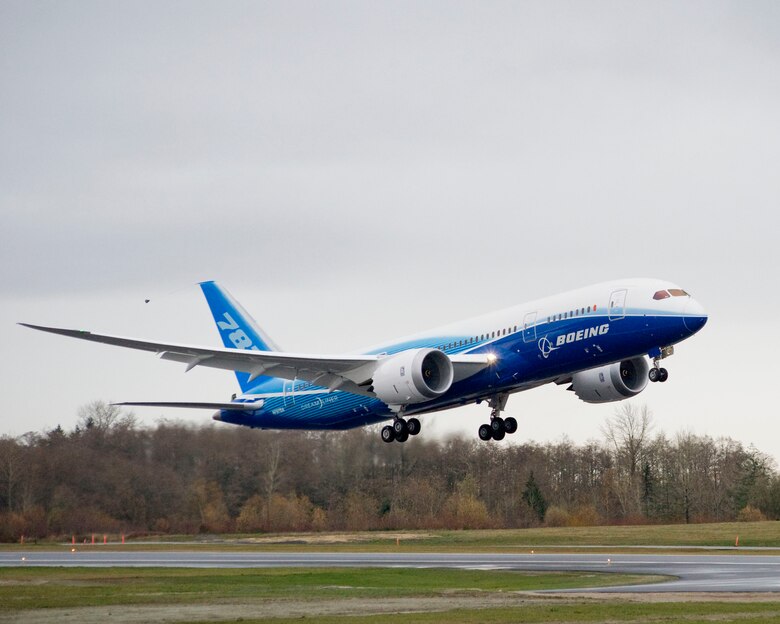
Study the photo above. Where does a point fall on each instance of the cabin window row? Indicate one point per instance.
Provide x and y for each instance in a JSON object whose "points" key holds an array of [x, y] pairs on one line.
{"points": [[571, 314], [476, 339]]}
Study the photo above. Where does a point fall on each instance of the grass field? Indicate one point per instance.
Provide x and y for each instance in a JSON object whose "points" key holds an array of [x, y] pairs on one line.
{"points": [[615, 538], [336, 595], [28, 588], [93, 595]]}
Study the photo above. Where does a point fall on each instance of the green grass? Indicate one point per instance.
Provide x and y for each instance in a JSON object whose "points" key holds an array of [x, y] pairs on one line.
{"points": [[716, 535], [246, 594], [35, 588]]}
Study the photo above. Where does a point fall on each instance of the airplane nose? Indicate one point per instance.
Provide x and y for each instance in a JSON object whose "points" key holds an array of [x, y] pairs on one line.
{"points": [[694, 316]]}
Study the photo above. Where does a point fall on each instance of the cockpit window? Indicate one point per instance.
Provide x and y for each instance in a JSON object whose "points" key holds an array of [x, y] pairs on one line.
{"points": [[678, 292], [661, 294]]}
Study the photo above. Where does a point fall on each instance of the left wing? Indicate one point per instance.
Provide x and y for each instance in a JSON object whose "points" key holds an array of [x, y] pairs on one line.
{"points": [[350, 373]]}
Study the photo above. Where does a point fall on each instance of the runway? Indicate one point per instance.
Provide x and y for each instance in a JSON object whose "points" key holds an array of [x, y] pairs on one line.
{"points": [[694, 573]]}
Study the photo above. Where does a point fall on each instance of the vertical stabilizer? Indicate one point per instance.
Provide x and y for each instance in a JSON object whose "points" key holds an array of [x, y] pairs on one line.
{"points": [[237, 328]]}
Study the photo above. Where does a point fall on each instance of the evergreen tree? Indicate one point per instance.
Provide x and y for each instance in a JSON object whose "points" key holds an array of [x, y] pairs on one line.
{"points": [[534, 498]]}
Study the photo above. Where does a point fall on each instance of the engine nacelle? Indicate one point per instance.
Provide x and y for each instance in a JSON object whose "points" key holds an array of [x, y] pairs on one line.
{"points": [[614, 382], [413, 376]]}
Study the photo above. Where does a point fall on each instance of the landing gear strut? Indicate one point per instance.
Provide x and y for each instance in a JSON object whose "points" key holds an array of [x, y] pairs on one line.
{"points": [[498, 426], [401, 429]]}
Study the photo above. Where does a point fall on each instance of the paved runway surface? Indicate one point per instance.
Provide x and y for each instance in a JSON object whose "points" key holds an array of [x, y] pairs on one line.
{"points": [[696, 573]]}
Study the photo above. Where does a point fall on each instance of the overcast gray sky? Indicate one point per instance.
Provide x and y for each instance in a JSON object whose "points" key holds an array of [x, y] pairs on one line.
{"points": [[357, 171]]}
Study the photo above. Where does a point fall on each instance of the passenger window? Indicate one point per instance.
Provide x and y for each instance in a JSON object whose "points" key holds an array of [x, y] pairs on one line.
{"points": [[661, 294], [588, 309]]}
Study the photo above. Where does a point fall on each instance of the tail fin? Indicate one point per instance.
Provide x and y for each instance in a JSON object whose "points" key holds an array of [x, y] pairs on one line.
{"points": [[236, 327]]}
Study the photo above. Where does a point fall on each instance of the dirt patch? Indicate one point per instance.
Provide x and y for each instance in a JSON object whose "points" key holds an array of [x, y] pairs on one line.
{"points": [[363, 606], [327, 538]]}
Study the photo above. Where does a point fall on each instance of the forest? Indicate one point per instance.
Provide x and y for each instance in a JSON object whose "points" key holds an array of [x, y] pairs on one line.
{"points": [[110, 475]]}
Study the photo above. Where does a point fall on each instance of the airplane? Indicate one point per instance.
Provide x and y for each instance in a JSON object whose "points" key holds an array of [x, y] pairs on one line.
{"points": [[606, 342]]}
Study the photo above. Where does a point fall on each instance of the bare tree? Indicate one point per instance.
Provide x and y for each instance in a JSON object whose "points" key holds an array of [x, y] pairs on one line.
{"points": [[627, 432], [103, 416]]}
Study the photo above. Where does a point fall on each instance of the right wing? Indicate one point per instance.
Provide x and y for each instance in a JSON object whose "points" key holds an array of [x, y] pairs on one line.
{"points": [[345, 372], [349, 373]]}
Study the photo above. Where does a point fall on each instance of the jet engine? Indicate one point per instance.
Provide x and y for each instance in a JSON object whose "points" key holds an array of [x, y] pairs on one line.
{"points": [[614, 382], [412, 376]]}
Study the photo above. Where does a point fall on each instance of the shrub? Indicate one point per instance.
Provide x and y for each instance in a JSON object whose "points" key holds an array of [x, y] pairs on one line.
{"points": [[750, 514], [585, 515], [556, 517]]}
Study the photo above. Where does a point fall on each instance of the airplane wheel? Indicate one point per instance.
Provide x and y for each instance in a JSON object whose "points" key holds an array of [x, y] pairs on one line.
{"points": [[485, 433], [403, 437], [653, 375], [663, 375], [399, 427], [499, 435], [497, 424], [388, 435], [413, 425], [510, 424]]}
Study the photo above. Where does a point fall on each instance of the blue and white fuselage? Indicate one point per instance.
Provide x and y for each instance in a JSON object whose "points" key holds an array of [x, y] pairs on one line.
{"points": [[598, 339]]}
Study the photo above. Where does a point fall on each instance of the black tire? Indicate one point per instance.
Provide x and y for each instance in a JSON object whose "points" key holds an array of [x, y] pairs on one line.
{"points": [[388, 435], [403, 437], [663, 375], [485, 433], [497, 424], [510, 424], [413, 426], [653, 375], [399, 427], [499, 435]]}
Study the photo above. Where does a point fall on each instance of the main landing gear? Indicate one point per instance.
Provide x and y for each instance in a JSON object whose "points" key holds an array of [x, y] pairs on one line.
{"points": [[401, 429], [498, 426]]}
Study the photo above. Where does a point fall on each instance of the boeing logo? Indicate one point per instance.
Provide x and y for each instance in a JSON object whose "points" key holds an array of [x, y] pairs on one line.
{"points": [[582, 334], [546, 347]]}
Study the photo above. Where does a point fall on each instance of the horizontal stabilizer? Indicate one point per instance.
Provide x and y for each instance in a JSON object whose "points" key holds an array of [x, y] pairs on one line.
{"points": [[211, 406]]}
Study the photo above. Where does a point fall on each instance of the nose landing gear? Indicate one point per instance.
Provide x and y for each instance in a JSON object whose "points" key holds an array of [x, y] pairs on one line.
{"points": [[498, 427], [656, 373]]}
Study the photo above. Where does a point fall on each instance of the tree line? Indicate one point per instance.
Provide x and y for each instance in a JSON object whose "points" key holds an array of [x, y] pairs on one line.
{"points": [[110, 475]]}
